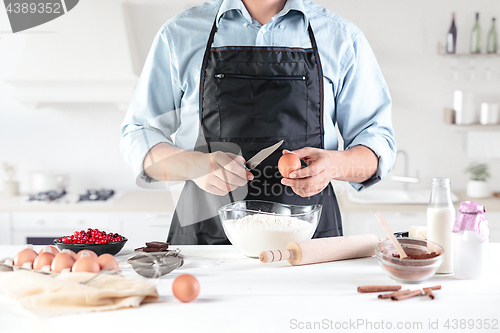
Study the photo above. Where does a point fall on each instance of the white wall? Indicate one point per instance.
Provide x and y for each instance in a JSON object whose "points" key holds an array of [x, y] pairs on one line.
{"points": [[83, 141]]}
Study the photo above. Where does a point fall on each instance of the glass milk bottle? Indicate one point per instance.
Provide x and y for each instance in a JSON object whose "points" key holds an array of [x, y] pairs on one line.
{"points": [[471, 234], [440, 219]]}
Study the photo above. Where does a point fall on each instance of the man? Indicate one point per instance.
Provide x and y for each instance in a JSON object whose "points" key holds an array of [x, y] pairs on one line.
{"points": [[231, 77]]}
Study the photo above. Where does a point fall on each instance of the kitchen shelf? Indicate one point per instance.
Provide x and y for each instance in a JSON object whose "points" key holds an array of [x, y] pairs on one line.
{"points": [[474, 127], [441, 52]]}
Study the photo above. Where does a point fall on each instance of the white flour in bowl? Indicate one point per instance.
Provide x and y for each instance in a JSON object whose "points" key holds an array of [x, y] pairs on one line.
{"points": [[255, 233]]}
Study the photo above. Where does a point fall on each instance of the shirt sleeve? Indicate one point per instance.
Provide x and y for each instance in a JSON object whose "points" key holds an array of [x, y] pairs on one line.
{"points": [[152, 116], [363, 110]]}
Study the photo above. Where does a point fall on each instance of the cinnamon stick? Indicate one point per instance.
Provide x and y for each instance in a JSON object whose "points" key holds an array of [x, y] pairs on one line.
{"points": [[395, 294], [407, 295], [428, 292], [434, 288], [377, 289]]}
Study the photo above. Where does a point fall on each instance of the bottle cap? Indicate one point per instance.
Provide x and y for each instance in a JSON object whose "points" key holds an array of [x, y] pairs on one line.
{"points": [[471, 217]]}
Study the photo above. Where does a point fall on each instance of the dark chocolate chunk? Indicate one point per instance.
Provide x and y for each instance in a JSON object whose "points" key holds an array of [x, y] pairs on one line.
{"points": [[156, 244]]}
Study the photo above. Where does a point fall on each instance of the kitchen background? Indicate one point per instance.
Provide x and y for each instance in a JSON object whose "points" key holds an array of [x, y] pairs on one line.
{"points": [[76, 132]]}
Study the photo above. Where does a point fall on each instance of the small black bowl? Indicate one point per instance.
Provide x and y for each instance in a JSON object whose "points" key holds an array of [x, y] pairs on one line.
{"points": [[111, 248]]}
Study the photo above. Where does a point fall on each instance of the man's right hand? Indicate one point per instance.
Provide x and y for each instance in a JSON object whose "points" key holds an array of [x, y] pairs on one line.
{"points": [[219, 173]]}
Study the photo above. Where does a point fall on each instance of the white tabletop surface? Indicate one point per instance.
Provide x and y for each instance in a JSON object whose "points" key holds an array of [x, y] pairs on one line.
{"points": [[239, 294]]}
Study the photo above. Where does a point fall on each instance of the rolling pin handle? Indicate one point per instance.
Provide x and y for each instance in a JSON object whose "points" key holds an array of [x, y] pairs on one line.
{"points": [[274, 255]]}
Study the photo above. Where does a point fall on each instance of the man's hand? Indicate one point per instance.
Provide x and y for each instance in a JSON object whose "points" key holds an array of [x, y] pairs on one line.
{"points": [[356, 164], [219, 173]]}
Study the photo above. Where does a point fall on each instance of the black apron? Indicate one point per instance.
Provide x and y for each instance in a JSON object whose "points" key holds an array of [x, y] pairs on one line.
{"points": [[251, 98]]}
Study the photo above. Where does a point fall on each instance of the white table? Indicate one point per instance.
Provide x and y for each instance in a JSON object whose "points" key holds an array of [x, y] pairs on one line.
{"points": [[239, 294]]}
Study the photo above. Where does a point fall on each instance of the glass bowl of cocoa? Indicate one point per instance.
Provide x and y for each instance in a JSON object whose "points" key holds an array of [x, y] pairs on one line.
{"points": [[423, 259]]}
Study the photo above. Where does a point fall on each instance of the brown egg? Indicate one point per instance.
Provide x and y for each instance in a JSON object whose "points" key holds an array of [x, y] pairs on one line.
{"points": [[108, 261], [92, 254], [288, 163], [62, 261], [26, 255], [44, 258], [55, 251], [186, 288], [86, 263], [73, 254]]}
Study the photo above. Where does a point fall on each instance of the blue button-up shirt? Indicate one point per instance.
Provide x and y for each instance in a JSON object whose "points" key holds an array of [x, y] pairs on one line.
{"points": [[164, 107]]}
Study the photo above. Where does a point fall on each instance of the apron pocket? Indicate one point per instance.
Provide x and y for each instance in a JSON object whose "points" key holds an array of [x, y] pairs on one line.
{"points": [[252, 107]]}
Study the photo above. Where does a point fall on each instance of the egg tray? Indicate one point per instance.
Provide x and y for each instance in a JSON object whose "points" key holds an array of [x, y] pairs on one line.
{"points": [[6, 267]]}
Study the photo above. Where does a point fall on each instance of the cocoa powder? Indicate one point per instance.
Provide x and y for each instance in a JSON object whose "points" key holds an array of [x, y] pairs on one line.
{"points": [[416, 256]]}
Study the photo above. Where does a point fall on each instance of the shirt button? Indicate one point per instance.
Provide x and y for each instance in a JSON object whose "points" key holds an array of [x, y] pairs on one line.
{"points": [[282, 26], [245, 24]]}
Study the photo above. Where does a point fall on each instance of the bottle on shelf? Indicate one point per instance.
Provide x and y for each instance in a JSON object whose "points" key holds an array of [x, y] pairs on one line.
{"points": [[440, 220], [492, 39], [475, 37], [451, 37]]}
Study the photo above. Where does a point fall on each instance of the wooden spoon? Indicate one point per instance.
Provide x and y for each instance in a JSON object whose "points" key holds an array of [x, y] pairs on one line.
{"points": [[390, 234]]}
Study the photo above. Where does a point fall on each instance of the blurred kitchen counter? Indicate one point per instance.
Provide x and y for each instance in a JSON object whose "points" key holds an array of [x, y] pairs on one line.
{"points": [[158, 201], [492, 204], [134, 201]]}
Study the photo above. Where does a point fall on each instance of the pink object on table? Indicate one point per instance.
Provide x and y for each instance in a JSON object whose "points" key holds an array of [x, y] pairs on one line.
{"points": [[471, 217]]}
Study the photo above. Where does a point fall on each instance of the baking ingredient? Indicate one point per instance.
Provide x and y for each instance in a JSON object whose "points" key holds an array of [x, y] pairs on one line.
{"points": [[186, 288], [91, 236], [90, 252], [418, 256], [26, 255], [288, 163], [407, 295], [44, 258], [471, 241], [377, 289], [86, 263], [155, 246], [54, 250], [73, 254], [319, 250], [107, 261], [62, 261], [440, 218], [255, 233], [396, 293]]}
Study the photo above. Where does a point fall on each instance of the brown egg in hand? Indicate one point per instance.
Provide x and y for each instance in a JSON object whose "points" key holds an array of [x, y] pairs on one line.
{"points": [[288, 163]]}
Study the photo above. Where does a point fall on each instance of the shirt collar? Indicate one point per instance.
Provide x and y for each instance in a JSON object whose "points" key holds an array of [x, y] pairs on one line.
{"points": [[228, 5]]}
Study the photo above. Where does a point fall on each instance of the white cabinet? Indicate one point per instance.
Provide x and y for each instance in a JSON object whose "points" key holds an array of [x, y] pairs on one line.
{"points": [[144, 227], [43, 227], [40, 227], [5, 229]]}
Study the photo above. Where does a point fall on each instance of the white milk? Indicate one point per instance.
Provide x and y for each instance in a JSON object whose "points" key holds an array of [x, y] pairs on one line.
{"points": [[471, 255], [439, 230]]}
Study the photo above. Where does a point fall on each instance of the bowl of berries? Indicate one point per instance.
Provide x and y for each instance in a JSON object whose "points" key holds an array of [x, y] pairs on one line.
{"points": [[92, 239]]}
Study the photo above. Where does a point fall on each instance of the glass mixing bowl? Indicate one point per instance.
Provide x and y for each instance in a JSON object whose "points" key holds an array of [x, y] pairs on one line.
{"points": [[253, 226], [409, 270]]}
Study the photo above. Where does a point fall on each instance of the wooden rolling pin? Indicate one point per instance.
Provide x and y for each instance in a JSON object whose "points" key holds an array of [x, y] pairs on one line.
{"points": [[324, 249]]}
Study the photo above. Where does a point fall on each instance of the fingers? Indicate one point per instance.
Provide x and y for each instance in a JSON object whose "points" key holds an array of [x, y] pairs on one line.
{"points": [[308, 186], [310, 171], [231, 170], [303, 153]]}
